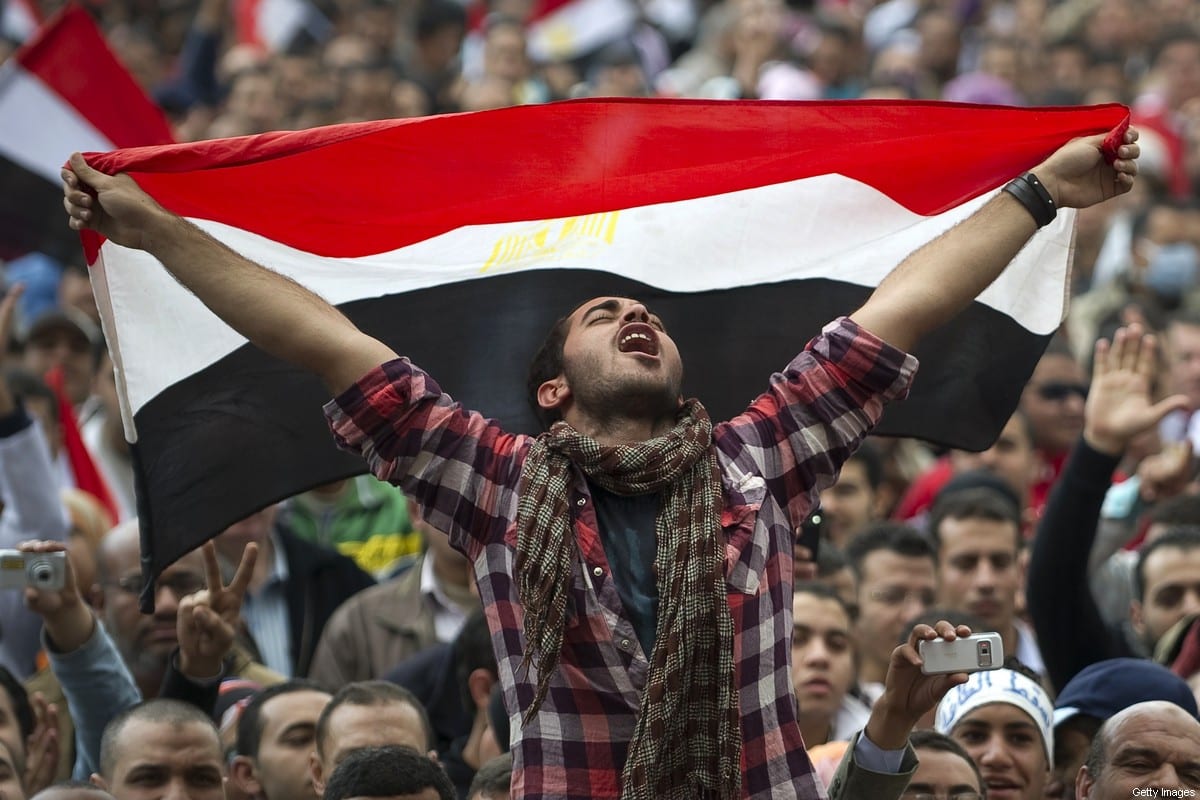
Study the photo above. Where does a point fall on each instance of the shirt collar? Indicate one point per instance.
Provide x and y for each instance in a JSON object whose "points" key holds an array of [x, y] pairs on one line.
{"points": [[430, 586]]}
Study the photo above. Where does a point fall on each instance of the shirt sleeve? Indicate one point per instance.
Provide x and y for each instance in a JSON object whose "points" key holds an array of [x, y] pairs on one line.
{"points": [[816, 412], [871, 756], [461, 468], [98, 687]]}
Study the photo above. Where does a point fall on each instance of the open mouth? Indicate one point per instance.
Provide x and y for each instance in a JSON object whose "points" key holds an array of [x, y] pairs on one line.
{"points": [[638, 337]]}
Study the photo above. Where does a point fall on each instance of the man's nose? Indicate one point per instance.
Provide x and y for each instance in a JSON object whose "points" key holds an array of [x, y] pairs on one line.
{"points": [[994, 751], [636, 312]]}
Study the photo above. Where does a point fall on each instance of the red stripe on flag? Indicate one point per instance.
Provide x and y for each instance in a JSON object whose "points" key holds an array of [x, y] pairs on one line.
{"points": [[71, 57], [354, 190], [83, 468], [245, 21]]}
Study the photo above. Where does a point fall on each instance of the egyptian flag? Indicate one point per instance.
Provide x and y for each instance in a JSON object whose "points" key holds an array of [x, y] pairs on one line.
{"points": [[562, 30], [63, 91], [275, 24], [459, 239]]}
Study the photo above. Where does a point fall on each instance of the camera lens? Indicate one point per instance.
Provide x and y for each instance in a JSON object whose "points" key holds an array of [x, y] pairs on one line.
{"points": [[41, 573]]}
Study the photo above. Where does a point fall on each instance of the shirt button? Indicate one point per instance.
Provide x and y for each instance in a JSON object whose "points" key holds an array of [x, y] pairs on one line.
{"points": [[625, 643], [597, 571], [581, 501]]}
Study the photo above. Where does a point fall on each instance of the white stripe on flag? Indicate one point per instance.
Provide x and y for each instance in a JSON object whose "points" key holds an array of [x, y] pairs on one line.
{"points": [[38, 130], [752, 237], [579, 27]]}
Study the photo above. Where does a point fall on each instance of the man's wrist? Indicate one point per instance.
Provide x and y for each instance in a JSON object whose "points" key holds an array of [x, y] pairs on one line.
{"points": [[200, 669], [1102, 443], [886, 730], [70, 628]]}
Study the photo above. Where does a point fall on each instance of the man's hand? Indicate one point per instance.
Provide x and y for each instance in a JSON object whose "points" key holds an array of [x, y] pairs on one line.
{"points": [[208, 620], [68, 620], [41, 747], [112, 205], [1077, 176], [1166, 473], [1119, 405], [908, 693]]}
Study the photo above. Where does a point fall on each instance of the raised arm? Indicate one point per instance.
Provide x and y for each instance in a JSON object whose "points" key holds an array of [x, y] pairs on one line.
{"points": [[274, 312], [941, 279]]}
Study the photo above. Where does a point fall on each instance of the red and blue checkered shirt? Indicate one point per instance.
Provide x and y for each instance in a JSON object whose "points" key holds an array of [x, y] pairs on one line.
{"points": [[775, 458]]}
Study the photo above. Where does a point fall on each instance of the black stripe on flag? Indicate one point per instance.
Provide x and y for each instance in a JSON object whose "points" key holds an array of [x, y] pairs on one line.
{"points": [[25, 224], [248, 430]]}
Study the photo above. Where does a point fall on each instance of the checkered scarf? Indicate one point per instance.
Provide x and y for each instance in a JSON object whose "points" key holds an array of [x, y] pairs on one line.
{"points": [[687, 743]]}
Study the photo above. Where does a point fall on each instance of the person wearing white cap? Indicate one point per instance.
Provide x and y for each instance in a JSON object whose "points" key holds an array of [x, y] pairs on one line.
{"points": [[1002, 718]]}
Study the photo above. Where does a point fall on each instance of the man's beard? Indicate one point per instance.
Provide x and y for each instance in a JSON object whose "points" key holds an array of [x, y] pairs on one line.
{"points": [[627, 396]]}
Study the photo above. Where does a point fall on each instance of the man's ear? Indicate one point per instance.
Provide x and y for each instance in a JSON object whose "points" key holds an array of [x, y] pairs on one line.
{"points": [[1137, 617], [99, 782], [480, 682], [553, 393], [1083, 784], [316, 773], [244, 776]]}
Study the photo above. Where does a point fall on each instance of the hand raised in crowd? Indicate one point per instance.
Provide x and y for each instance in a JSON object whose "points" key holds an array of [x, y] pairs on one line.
{"points": [[112, 205], [1077, 174], [42, 746], [208, 620], [1120, 404], [908, 693], [1166, 473], [68, 621]]}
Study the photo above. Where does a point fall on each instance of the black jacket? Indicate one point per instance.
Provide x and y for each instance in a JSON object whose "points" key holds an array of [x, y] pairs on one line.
{"points": [[319, 580]]}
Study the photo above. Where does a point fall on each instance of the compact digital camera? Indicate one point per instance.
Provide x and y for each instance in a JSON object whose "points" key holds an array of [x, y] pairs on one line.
{"points": [[46, 571]]}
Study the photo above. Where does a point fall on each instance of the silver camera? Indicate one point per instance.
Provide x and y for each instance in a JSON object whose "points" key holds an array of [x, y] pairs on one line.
{"points": [[47, 571]]}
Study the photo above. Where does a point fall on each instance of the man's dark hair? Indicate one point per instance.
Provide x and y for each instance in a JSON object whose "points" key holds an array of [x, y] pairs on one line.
{"points": [[869, 456], [903, 540], [493, 779], [372, 693], [1183, 537], [170, 712], [18, 698], [473, 650], [250, 723], [547, 365], [1179, 511], [976, 503], [929, 739], [1097, 755], [387, 771], [1171, 38], [435, 15]]}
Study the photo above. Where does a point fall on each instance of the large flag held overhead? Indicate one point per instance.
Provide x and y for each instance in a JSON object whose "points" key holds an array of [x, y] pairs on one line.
{"points": [[459, 239], [63, 91]]}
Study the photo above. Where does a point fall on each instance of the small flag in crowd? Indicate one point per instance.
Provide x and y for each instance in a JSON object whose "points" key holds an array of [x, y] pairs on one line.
{"points": [[63, 91], [276, 24], [459, 239]]}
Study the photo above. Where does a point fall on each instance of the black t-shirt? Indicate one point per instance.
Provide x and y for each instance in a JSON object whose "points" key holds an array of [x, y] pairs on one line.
{"points": [[630, 544]]}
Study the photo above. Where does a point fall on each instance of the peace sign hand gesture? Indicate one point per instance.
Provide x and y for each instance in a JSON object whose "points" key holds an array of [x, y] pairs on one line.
{"points": [[208, 619]]}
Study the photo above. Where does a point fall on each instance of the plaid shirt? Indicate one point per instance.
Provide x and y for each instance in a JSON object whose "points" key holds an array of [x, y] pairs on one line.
{"points": [[775, 457]]}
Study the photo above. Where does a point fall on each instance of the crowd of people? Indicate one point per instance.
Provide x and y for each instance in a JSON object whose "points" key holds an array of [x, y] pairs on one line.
{"points": [[366, 639]]}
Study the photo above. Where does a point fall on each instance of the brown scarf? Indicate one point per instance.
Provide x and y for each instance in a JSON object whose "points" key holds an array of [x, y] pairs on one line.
{"points": [[687, 743]]}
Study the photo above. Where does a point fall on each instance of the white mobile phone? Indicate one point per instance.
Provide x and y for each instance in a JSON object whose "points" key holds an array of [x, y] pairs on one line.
{"points": [[977, 652]]}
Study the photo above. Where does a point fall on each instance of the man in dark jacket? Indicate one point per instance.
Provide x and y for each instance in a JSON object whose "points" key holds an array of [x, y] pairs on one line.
{"points": [[296, 587]]}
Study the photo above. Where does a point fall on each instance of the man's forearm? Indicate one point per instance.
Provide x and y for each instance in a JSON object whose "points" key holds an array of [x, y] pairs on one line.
{"points": [[271, 310], [941, 279]]}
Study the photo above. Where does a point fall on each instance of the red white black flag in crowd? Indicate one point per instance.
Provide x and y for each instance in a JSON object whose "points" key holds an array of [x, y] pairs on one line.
{"points": [[459, 239], [63, 91]]}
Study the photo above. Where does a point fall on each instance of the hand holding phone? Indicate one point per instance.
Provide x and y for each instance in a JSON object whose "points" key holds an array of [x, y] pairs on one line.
{"points": [[974, 653]]}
